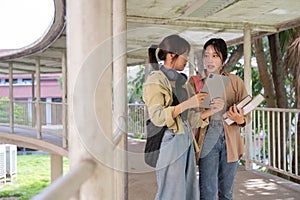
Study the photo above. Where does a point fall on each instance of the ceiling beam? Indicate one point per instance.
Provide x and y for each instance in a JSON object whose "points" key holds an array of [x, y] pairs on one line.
{"points": [[17, 69], [47, 58], [288, 25], [52, 48], [3, 72], [201, 23]]}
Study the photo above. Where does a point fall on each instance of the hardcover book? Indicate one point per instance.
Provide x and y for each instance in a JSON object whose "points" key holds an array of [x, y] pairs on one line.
{"points": [[247, 104]]}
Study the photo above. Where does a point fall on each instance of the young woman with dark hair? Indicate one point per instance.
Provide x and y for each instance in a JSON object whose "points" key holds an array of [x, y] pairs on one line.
{"points": [[220, 144], [168, 103]]}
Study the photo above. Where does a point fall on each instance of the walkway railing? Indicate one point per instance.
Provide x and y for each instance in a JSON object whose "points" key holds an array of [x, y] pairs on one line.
{"points": [[73, 180], [137, 114], [274, 143], [49, 119], [275, 140]]}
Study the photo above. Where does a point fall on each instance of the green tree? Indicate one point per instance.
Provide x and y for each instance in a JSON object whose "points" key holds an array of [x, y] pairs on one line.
{"points": [[19, 114], [135, 86], [292, 63]]}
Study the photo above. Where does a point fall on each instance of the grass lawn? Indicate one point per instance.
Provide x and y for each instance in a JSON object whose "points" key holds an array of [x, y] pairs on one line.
{"points": [[33, 174]]}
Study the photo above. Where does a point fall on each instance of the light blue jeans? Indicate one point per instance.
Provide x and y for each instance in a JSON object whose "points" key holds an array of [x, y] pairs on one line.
{"points": [[216, 175], [176, 167]]}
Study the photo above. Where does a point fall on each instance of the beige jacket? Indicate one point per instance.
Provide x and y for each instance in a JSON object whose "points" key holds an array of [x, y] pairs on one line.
{"points": [[157, 95], [235, 92]]}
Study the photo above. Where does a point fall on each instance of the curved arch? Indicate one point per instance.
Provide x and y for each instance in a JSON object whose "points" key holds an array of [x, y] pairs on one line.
{"points": [[51, 36], [32, 143]]}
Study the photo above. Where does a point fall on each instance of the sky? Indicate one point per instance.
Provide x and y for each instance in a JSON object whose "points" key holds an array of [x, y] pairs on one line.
{"points": [[22, 22]]}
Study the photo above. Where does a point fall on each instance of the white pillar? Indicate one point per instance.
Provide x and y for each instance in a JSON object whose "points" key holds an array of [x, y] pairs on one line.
{"points": [[120, 98], [38, 99], [29, 107], [11, 99], [32, 86], [248, 84], [33, 115], [64, 99], [90, 94], [56, 166], [192, 62], [48, 111]]}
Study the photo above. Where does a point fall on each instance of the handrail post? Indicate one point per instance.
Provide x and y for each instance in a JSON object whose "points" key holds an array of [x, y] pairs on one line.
{"points": [[33, 114], [11, 99], [248, 84], [64, 100], [38, 99]]}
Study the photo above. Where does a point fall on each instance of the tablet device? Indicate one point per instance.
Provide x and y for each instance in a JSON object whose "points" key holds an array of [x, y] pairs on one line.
{"points": [[215, 86]]}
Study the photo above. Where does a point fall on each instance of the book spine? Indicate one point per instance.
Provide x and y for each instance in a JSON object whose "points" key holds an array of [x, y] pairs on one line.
{"points": [[249, 107], [241, 104]]}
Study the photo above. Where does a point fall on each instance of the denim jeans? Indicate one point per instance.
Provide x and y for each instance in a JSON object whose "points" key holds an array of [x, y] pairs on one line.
{"points": [[216, 175], [176, 167]]}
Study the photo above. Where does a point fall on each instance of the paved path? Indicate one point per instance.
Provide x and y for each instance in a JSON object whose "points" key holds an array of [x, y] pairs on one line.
{"points": [[28, 138], [249, 185], [53, 137]]}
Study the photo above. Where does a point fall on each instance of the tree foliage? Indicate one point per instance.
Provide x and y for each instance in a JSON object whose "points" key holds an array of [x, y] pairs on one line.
{"points": [[135, 85], [4, 112]]}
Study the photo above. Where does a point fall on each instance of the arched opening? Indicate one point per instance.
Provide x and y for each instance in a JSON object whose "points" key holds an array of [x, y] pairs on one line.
{"points": [[24, 22]]}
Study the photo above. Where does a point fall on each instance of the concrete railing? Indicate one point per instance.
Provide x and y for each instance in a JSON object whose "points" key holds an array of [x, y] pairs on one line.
{"points": [[273, 145], [274, 141], [48, 119], [66, 186]]}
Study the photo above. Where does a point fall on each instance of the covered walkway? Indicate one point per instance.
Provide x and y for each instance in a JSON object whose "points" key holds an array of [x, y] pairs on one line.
{"points": [[92, 42]]}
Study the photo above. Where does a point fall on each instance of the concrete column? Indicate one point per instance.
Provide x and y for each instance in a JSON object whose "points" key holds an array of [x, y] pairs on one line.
{"points": [[38, 99], [120, 98], [147, 68], [192, 62], [89, 75], [48, 111], [56, 166], [64, 99], [32, 86], [33, 116], [248, 84], [11, 99], [199, 60]]}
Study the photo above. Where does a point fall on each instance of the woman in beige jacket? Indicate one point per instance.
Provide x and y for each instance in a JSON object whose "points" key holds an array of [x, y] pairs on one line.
{"points": [[221, 144], [168, 103]]}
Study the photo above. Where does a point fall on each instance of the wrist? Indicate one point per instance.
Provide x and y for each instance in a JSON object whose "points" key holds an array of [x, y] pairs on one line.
{"points": [[206, 114], [241, 122]]}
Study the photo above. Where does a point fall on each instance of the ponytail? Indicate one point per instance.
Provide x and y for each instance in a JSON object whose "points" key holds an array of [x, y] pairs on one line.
{"points": [[173, 44], [152, 57]]}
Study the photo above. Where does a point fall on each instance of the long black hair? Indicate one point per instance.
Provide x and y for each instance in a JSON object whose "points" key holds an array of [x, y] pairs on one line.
{"points": [[171, 44]]}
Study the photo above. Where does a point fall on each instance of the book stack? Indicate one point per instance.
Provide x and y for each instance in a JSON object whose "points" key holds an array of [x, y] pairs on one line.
{"points": [[247, 104]]}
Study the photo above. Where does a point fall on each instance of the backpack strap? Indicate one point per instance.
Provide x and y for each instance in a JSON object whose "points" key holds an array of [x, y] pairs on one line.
{"points": [[198, 82]]}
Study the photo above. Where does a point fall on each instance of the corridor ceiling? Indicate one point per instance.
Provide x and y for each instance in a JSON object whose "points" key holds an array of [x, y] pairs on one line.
{"points": [[148, 21]]}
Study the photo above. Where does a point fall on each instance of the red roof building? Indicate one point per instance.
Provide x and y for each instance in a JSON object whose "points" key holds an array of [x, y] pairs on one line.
{"points": [[22, 86]]}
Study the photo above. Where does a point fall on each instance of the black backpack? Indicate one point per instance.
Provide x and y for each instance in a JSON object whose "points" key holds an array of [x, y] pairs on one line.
{"points": [[154, 138]]}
